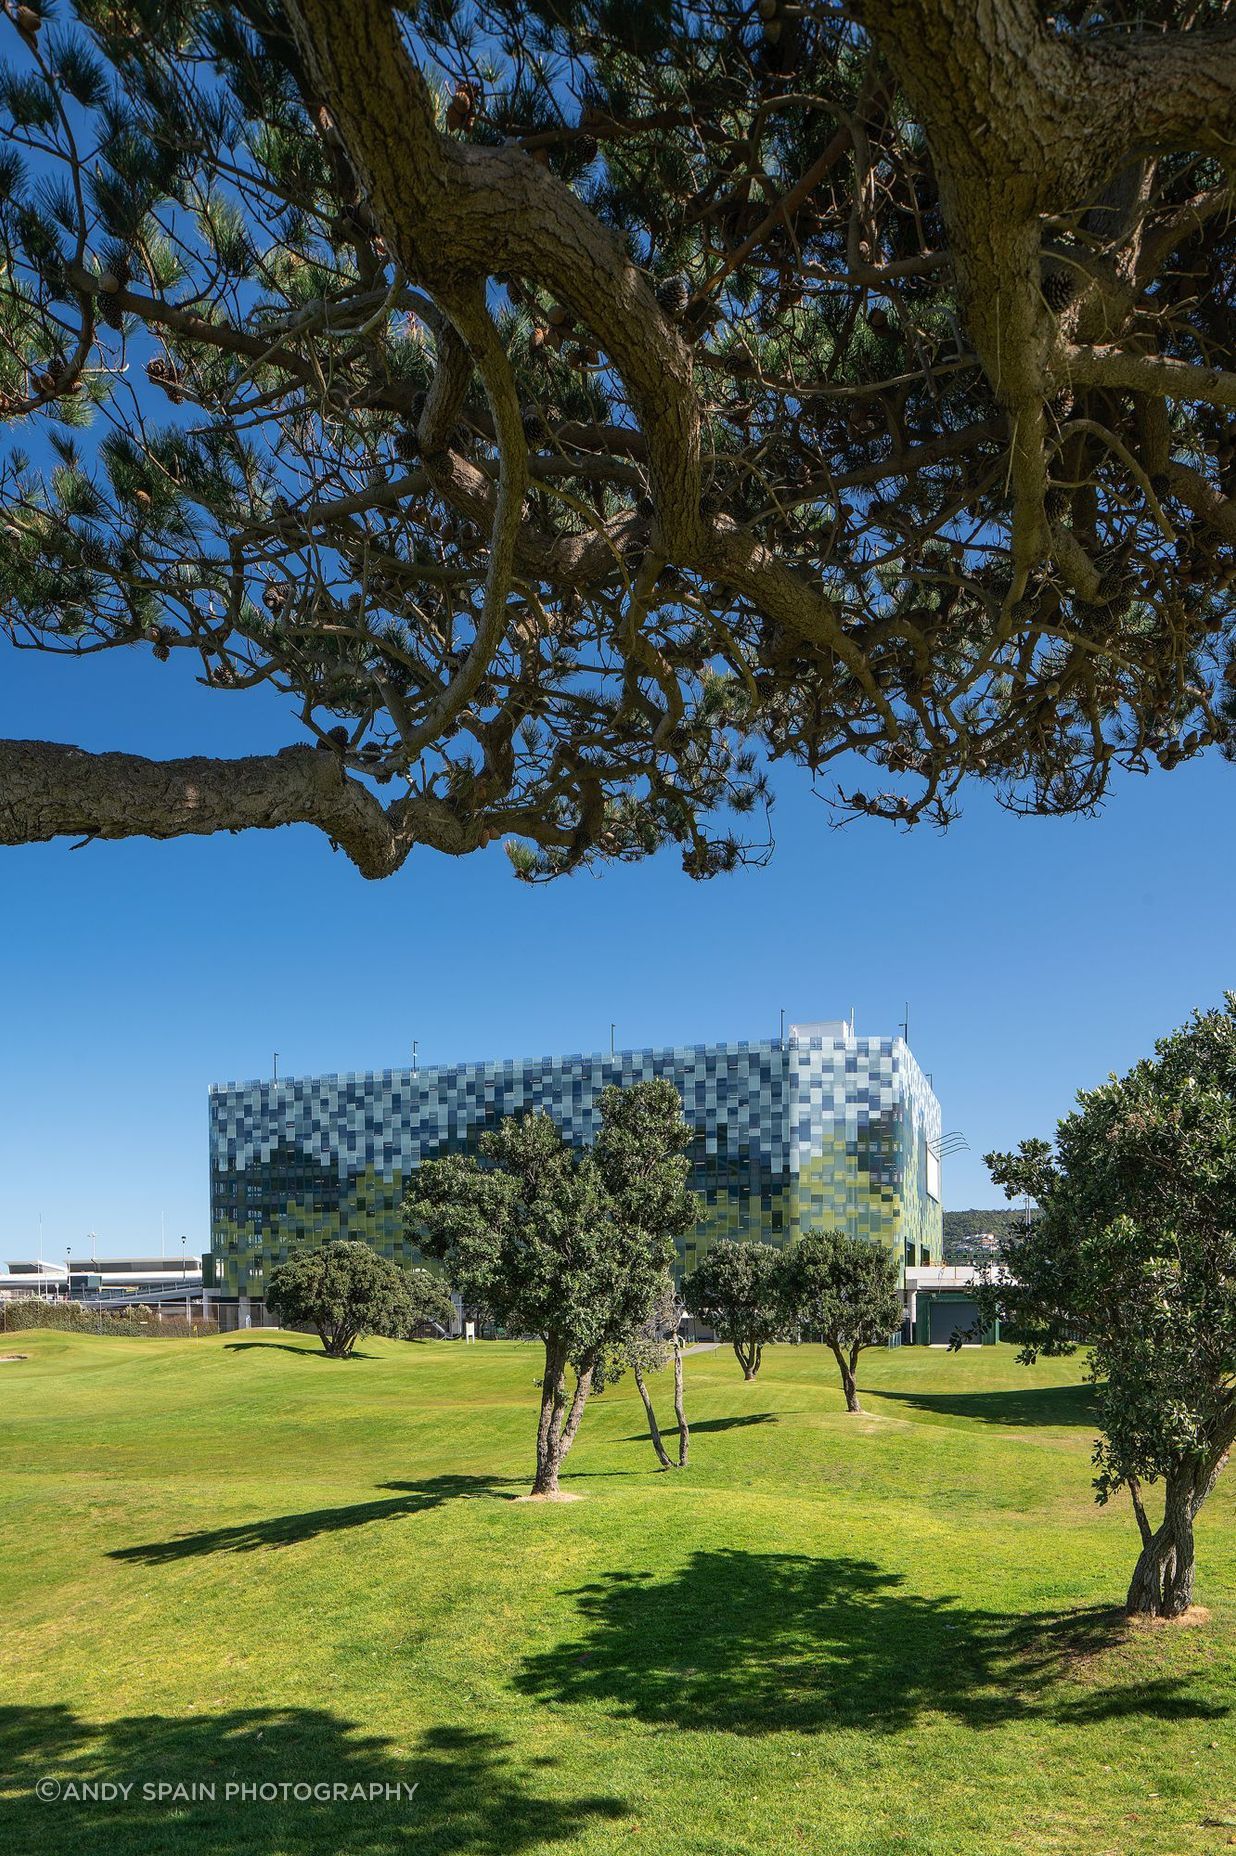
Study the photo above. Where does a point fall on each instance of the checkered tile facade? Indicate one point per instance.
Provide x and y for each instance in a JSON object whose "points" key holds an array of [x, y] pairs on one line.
{"points": [[825, 1130]]}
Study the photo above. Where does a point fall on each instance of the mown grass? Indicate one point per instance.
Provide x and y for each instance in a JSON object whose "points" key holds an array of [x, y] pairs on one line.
{"points": [[235, 1562]]}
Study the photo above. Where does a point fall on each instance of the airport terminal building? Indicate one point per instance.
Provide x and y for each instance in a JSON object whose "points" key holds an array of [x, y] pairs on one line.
{"points": [[821, 1129]]}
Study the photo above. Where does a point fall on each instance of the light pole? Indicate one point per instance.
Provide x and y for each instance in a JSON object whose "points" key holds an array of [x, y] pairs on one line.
{"points": [[68, 1272]]}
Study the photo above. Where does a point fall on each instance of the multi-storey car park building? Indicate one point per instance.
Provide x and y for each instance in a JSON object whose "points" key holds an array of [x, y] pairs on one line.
{"points": [[819, 1129]]}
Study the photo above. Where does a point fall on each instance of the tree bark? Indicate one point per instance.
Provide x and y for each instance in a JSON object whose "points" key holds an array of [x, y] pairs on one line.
{"points": [[680, 1408], [849, 1378], [557, 1427], [548, 1439], [337, 1342], [1162, 1582], [654, 1429], [1024, 121], [583, 1386], [748, 1353], [48, 790], [1163, 1578]]}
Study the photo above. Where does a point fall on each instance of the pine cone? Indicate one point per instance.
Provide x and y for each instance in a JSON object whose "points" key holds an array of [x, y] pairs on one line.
{"points": [[1057, 290], [461, 111], [673, 295]]}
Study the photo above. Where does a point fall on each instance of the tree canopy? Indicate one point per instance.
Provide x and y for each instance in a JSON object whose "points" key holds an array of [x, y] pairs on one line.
{"points": [[846, 1290], [573, 407], [346, 1290], [1133, 1253], [575, 1248], [736, 1289]]}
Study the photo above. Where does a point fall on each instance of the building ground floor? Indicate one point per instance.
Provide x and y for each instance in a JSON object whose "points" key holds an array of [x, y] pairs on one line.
{"points": [[941, 1305], [939, 1302]]}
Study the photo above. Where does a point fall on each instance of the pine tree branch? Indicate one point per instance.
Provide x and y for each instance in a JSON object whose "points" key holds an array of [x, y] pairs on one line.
{"points": [[48, 790]]}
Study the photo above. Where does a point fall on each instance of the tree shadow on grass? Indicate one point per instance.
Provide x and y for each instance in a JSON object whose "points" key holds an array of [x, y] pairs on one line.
{"points": [[753, 1643], [701, 1426], [1035, 1405], [470, 1796], [313, 1351], [283, 1530]]}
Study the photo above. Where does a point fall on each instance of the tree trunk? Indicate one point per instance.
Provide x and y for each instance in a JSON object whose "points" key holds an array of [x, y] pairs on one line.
{"points": [[337, 1342], [549, 1428], [558, 1426], [1162, 1582], [680, 1409], [748, 1357], [583, 1386], [654, 1429], [849, 1379]]}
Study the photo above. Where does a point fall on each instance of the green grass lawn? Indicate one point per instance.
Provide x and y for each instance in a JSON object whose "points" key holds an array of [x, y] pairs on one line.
{"points": [[234, 1562]]}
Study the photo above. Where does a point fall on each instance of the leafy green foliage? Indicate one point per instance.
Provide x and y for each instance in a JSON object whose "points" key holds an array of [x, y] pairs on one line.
{"points": [[1006, 1225], [847, 1292], [1133, 1253], [736, 1289], [573, 1248], [346, 1290], [558, 1244]]}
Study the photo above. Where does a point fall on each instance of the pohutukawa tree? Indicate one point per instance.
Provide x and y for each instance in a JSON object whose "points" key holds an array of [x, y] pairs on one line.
{"points": [[572, 406], [1133, 1253], [846, 1291], [346, 1290], [737, 1290], [574, 1248]]}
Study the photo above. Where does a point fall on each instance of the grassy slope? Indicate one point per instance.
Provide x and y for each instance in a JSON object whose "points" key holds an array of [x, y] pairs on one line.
{"points": [[242, 1562]]}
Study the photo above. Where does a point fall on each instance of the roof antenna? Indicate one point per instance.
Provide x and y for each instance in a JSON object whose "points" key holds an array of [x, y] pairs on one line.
{"points": [[905, 1025]]}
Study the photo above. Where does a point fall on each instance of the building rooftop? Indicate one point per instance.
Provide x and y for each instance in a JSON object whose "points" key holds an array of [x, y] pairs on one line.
{"points": [[809, 1033]]}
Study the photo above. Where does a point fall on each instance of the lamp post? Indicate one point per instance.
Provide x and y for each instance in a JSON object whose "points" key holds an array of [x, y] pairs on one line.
{"points": [[68, 1272]]}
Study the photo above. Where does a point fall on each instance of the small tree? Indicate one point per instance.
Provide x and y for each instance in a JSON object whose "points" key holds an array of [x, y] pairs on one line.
{"points": [[735, 1289], [1133, 1253], [846, 1290], [346, 1290], [650, 1350], [571, 1248]]}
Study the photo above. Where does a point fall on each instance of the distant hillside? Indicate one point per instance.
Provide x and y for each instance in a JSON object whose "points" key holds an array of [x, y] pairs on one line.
{"points": [[1007, 1224]]}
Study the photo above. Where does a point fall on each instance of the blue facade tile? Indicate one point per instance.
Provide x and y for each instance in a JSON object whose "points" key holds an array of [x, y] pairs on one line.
{"points": [[826, 1131]]}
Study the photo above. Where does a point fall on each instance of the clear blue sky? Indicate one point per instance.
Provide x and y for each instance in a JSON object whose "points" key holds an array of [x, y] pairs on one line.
{"points": [[1036, 955]]}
